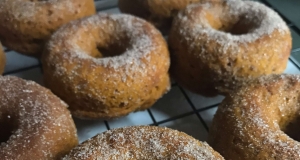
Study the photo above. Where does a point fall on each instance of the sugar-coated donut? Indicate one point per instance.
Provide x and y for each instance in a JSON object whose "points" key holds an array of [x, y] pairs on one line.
{"points": [[34, 123], [143, 142], [216, 46], [2, 59], [259, 121], [25, 25], [106, 66], [158, 12]]}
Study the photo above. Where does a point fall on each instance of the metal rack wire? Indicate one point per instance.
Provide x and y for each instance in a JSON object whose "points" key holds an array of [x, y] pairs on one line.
{"points": [[200, 108]]}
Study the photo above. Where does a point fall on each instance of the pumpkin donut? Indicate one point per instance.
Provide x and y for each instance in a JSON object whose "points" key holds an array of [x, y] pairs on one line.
{"points": [[25, 25], [259, 121], [218, 46], [158, 12], [34, 123], [2, 59], [106, 66], [143, 142]]}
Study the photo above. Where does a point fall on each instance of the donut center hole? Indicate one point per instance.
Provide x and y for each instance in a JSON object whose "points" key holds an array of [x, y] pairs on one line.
{"points": [[7, 127], [110, 50], [238, 27], [289, 115], [292, 128]]}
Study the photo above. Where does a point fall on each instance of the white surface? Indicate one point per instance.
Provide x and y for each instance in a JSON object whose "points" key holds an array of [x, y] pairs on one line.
{"points": [[17, 61], [190, 125], [172, 104], [136, 118]]}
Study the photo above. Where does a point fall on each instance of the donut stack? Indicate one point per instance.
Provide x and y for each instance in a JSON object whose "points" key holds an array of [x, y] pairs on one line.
{"points": [[103, 66]]}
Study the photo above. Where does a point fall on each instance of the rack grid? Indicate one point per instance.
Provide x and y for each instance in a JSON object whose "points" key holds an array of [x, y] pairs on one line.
{"points": [[178, 109]]}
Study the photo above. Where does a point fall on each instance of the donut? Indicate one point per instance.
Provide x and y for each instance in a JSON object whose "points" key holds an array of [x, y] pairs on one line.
{"points": [[34, 123], [25, 25], [143, 142], [106, 66], [158, 12], [260, 120], [2, 59], [217, 46]]}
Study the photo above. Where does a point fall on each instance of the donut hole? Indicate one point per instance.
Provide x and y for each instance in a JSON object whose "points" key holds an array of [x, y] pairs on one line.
{"points": [[7, 127], [111, 49], [235, 26], [240, 28], [292, 129], [289, 121]]}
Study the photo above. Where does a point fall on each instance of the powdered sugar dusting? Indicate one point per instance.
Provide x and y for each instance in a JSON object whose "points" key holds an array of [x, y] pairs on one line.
{"points": [[254, 115], [143, 142], [142, 44], [26, 9], [136, 57], [265, 20], [136, 74], [36, 114]]}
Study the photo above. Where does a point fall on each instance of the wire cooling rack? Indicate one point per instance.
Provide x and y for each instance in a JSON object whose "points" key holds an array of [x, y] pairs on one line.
{"points": [[179, 109]]}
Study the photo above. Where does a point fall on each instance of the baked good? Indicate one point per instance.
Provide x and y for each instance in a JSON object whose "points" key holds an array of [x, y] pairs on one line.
{"points": [[143, 142], [106, 66], [259, 121], [2, 59], [25, 25], [34, 123], [216, 47], [158, 12]]}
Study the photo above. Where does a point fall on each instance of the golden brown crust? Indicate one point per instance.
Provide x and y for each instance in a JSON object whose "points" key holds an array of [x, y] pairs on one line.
{"points": [[252, 122], [131, 77], [2, 59], [34, 123], [158, 12], [26, 25], [143, 142], [218, 46]]}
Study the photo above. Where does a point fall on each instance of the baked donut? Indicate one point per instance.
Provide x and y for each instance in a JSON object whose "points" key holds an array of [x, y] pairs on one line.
{"points": [[2, 59], [34, 123], [259, 121], [25, 25], [143, 142], [158, 12], [218, 46], [106, 66]]}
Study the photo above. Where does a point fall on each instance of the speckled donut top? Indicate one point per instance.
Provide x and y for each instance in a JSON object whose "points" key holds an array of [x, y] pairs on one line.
{"points": [[257, 115], [265, 21], [143, 142], [27, 9], [135, 57], [36, 112]]}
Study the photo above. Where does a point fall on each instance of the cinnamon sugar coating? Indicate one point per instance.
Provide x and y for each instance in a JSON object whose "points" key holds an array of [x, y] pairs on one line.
{"points": [[25, 25], [34, 123], [2, 59], [106, 66], [216, 47], [143, 142], [159, 12], [259, 121]]}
